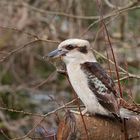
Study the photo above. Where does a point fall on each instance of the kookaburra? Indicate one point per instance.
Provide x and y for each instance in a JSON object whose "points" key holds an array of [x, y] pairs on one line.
{"points": [[92, 84]]}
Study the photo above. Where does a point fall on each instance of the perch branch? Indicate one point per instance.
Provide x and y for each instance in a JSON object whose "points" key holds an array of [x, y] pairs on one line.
{"points": [[99, 128]]}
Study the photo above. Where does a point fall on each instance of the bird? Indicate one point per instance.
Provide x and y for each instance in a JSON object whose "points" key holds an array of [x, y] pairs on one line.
{"points": [[88, 78]]}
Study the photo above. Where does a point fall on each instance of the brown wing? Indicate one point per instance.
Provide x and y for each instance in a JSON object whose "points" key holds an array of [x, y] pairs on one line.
{"points": [[101, 85]]}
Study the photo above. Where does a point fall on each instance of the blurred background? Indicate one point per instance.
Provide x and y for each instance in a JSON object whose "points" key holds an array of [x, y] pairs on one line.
{"points": [[30, 86]]}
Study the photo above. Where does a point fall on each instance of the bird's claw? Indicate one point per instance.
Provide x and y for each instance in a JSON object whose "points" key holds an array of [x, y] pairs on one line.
{"points": [[84, 112]]}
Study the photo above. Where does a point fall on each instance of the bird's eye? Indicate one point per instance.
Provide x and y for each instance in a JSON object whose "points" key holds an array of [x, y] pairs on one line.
{"points": [[69, 47]]}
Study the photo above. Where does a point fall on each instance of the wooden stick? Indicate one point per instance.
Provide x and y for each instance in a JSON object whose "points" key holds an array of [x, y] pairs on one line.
{"points": [[99, 128]]}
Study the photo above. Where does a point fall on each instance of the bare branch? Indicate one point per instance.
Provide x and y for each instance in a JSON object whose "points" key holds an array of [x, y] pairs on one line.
{"points": [[114, 13], [131, 3], [24, 46], [99, 128]]}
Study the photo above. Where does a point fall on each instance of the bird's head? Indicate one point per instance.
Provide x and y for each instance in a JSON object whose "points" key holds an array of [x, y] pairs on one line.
{"points": [[73, 50]]}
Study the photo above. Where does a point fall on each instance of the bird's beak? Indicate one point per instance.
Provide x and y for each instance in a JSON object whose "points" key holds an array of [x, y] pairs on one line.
{"points": [[56, 53]]}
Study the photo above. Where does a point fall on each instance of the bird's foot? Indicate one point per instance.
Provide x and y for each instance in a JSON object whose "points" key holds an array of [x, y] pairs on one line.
{"points": [[84, 112], [75, 112], [62, 71]]}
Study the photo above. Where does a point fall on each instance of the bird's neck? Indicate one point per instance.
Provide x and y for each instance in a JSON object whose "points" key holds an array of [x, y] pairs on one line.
{"points": [[74, 70]]}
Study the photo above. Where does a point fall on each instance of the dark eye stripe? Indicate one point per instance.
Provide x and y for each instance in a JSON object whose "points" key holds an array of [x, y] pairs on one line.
{"points": [[70, 47], [83, 49]]}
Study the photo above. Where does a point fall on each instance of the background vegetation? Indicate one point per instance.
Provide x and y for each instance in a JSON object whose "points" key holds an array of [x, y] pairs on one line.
{"points": [[30, 86]]}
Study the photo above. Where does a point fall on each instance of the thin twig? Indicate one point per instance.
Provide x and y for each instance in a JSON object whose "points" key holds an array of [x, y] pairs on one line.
{"points": [[5, 135], [118, 7], [128, 76], [20, 111], [123, 70], [115, 12], [24, 46], [20, 31], [45, 81], [114, 59], [59, 13], [101, 55], [77, 16]]}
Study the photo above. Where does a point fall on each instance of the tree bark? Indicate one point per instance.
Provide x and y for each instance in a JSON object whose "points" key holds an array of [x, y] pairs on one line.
{"points": [[98, 128]]}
